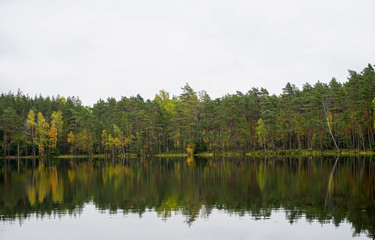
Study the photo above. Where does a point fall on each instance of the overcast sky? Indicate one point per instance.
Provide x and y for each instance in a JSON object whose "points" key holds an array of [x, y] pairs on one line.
{"points": [[97, 49]]}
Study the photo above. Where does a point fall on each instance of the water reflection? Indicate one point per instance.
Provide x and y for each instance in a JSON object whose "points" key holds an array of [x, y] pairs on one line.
{"points": [[194, 188], [330, 189]]}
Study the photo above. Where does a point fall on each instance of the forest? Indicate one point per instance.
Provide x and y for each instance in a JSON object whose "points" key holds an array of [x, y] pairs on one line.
{"points": [[316, 117]]}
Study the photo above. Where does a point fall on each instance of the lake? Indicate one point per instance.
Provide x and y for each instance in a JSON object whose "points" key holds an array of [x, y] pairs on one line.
{"points": [[188, 198]]}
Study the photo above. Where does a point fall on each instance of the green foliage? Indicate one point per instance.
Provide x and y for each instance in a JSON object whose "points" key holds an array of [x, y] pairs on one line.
{"points": [[237, 122], [261, 132]]}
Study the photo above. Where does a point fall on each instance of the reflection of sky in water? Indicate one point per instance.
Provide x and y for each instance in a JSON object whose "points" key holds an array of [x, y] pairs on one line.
{"points": [[91, 224]]}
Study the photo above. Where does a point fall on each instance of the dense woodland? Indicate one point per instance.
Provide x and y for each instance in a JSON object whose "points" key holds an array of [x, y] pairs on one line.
{"points": [[193, 122]]}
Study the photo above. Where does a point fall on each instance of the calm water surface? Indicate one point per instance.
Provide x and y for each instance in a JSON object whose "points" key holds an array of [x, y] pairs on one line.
{"points": [[202, 198]]}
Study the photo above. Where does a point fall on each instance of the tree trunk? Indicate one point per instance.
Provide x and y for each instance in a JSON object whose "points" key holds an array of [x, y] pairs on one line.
{"points": [[33, 148], [329, 126], [26, 152], [5, 144], [369, 138]]}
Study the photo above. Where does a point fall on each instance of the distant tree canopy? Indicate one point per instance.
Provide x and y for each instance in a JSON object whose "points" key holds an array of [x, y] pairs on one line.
{"points": [[193, 122]]}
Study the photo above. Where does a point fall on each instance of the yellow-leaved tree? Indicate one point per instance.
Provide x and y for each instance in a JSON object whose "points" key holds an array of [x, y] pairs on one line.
{"points": [[58, 119], [190, 149], [71, 141], [41, 134], [31, 125], [52, 135]]}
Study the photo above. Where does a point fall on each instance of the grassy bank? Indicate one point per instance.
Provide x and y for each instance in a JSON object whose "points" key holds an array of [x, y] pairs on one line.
{"points": [[310, 153], [288, 153], [258, 153]]}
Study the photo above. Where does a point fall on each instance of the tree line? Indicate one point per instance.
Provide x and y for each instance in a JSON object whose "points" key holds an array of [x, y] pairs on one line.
{"points": [[315, 117]]}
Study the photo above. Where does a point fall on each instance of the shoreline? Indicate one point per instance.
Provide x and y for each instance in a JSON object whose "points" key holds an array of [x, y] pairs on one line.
{"points": [[257, 153]]}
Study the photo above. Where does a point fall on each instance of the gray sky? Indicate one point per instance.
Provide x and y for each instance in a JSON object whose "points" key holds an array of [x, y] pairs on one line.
{"points": [[97, 49]]}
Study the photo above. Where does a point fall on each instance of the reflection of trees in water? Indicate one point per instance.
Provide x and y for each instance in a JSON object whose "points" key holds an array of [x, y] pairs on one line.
{"points": [[194, 187], [330, 185]]}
